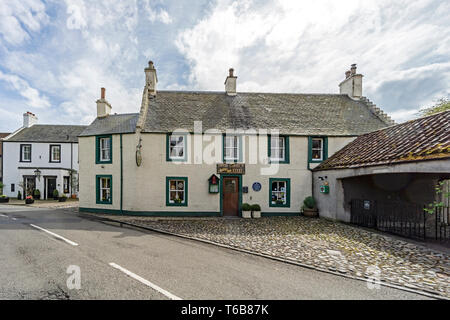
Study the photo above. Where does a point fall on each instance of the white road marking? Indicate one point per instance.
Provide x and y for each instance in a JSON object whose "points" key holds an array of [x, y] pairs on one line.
{"points": [[146, 282], [55, 235], [14, 218], [2, 215]]}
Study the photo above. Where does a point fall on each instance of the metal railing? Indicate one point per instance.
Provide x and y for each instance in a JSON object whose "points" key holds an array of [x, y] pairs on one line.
{"points": [[402, 218]]}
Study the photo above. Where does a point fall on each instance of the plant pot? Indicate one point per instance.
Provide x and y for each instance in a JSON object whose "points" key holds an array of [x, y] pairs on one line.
{"points": [[256, 214], [246, 214], [61, 199], [37, 197], [55, 198], [3, 200], [74, 196], [311, 213], [29, 201]]}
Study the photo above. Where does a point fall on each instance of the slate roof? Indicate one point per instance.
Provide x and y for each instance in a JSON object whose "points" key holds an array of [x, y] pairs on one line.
{"points": [[426, 138], [294, 114], [112, 124], [48, 133]]}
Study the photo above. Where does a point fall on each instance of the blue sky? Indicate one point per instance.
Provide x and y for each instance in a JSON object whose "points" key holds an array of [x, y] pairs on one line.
{"points": [[55, 55]]}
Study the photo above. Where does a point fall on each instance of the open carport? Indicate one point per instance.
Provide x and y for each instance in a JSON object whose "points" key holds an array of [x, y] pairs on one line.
{"points": [[384, 179]]}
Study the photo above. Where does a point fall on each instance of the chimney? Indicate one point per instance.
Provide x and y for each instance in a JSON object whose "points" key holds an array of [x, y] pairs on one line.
{"points": [[230, 83], [29, 119], [103, 106], [150, 78], [352, 85]]}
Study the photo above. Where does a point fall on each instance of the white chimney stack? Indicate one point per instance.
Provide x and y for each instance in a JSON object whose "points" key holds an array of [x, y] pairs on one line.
{"points": [[103, 106], [352, 85], [150, 78], [29, 119], [230, 83]]}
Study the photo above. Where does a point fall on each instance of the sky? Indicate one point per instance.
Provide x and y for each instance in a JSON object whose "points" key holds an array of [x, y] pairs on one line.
{"points": [[55, 55]]}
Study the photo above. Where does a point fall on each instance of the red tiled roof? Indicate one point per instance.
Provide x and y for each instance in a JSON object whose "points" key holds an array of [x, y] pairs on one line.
{"points": [[426, 138]]}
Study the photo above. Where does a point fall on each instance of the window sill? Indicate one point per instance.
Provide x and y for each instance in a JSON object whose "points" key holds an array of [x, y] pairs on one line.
{"points": [[176, 205]]}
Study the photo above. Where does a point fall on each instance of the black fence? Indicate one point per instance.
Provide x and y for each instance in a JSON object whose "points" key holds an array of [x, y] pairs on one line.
{"points": [[402, 218]]}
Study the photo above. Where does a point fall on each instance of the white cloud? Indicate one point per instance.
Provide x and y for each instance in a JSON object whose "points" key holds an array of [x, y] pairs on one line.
{"points": [[19, 18], [33, 96], [154, 15], [299, 46]]}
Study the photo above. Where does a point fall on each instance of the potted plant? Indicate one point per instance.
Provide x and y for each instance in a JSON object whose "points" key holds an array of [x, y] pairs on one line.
{"points": [[55, 194], [246, 210], [29, 200], [74, 196], [309, 207], [19, 195], [36, 194], [4, 199], [256, 211], [63, 198]]}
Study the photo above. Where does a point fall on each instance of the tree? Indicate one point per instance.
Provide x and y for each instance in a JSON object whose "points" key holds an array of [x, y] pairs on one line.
{"points": [[442, 104]]}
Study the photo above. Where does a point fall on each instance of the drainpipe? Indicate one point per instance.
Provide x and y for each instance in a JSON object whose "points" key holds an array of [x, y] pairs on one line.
{"points": [[121, 175], [71, 169]]}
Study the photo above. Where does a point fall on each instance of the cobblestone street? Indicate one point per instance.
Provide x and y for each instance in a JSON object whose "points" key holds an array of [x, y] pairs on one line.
{"points": [[321, 243]]}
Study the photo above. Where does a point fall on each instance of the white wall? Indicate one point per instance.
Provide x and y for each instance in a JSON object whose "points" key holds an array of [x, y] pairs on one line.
{"points": [[144, 187], [39, 159]]}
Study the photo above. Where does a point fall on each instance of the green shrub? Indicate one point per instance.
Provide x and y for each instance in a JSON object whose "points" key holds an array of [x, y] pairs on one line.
{"points": [[309, 202], [63, 196], [19, 195], [37, 192], [55, 193], [255, 207], [246, 207]]}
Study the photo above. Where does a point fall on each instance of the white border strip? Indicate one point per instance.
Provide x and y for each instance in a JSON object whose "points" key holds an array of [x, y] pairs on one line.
{"points": [[55, 235], [146, 282]]}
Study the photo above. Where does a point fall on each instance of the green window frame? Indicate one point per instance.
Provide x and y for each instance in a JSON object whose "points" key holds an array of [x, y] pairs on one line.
{"points": [[185, 147], [168, 191], [287, 182], [239, 147], [324, 149], [286, 150], [98, 188], [98, 139]]}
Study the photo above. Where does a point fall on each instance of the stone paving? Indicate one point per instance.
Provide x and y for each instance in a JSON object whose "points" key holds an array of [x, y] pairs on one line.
{"points": [[322, 244]]}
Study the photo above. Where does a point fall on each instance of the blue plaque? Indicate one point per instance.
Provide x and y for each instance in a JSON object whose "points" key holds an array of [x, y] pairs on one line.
{"points": [[256, 186]]}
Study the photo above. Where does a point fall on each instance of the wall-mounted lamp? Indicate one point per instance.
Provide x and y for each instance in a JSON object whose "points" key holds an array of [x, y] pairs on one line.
{"points": [[37, 174]]}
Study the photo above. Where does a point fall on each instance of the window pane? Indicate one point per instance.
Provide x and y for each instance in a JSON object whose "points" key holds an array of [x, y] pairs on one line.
{"points": [[316, 154], [317, 143], [176, 146]]}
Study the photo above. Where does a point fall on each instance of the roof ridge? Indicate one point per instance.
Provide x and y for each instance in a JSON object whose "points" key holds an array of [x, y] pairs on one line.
{"points": [[271, 93]]}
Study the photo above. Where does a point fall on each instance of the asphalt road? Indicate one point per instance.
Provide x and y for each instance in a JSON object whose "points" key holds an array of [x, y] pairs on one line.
{"points": [[123, 263]]}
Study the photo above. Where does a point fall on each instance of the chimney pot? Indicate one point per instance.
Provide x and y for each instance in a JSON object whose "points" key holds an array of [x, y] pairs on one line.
{"points": [[103, 106], [29, 119], [151, 79], [352, 84], [230, 83]]}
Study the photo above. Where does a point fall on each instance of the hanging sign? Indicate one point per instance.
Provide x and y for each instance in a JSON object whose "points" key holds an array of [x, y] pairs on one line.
{"points": [[235, 168]]}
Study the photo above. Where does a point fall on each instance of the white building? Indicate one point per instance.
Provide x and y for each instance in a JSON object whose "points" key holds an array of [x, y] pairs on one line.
{"points": [[43, 157], [192, 153]]}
